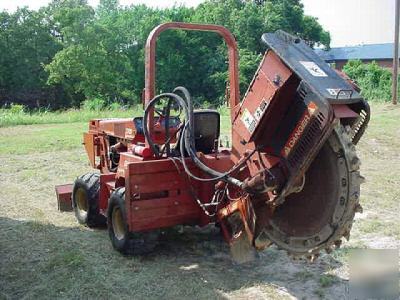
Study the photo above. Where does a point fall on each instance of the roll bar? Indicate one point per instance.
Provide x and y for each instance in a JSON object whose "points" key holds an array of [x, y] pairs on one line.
{"points": [[150, 60]]}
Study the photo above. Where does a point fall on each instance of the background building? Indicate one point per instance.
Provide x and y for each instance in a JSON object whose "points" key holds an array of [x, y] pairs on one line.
{"points": [[381, 53]]}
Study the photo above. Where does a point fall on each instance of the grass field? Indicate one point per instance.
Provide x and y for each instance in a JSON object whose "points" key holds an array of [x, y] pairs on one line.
{"points": [[46, 254], [19, 116]]}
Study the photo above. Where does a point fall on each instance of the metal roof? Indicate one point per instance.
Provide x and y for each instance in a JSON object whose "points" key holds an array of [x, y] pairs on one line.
{"points": [[367, 52]]}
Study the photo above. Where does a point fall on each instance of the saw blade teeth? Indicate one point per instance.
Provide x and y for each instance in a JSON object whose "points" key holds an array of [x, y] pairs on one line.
{"points": [[349, 181], [356, 162], [338, 243], [295, 257], [313, 257]]}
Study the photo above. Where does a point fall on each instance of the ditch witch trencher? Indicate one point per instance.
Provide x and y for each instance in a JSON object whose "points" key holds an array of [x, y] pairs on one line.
{"points": [[290, 178]]}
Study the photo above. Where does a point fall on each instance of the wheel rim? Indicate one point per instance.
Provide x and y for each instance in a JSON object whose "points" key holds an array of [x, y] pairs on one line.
{"points": [[118, 223], [81, 201]]}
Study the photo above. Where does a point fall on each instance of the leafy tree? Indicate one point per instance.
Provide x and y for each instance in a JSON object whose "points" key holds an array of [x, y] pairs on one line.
{"points": [[375, 82], [68, 51], [313, 32], [25, 46], [93, 61]]}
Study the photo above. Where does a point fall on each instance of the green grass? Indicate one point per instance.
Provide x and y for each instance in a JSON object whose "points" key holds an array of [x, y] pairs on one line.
{"points": [[377, 224], [20, 116], [304, 275], [44, 138], [62, 130], [12, 118], [327, 280], [46, 254]]}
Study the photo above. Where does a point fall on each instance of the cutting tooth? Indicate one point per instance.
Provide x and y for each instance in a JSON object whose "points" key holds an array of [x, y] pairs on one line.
{"points": [[328, 249], [361, 179], [346, 235], [359, 208], [338, 243], [356, 161], [313, 257], [294, 257]]}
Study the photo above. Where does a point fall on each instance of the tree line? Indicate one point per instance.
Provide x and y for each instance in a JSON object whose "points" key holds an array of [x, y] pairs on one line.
{"points": [[68, 51]]}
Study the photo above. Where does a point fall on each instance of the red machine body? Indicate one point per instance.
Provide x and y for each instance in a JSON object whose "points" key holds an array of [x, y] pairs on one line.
{"points": [[278, 130]]}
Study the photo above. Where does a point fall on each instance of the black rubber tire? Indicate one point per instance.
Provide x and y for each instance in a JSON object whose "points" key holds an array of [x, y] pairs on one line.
{"points": [[86, 192], [128, 243]]}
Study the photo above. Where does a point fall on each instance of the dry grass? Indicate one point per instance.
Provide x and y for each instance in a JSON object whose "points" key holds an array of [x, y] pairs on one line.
{"points": [[45, 254]]}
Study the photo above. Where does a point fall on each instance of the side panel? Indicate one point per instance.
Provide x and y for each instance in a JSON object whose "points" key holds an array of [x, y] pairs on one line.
{"points": [[272, 89], [88, 142], [159, 194], [163, 212]]}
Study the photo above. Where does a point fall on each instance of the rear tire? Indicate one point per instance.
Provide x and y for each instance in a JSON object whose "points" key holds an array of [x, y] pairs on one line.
{"points": [[85, 200], [124, 241]]}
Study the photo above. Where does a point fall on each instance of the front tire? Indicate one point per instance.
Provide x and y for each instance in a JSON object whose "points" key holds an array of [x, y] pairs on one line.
{"points": [[85, 200], [124, 241]]}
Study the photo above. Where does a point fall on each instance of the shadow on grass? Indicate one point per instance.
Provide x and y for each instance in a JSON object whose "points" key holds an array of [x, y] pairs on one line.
{"points": [[46, 261]]}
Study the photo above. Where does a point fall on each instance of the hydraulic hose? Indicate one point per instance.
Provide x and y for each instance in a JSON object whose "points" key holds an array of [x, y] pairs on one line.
{"points": [[187, 140], [189, 105]]}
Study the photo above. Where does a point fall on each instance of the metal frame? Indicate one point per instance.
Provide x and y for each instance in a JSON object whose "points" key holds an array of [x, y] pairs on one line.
{"points": [[150, 61]]}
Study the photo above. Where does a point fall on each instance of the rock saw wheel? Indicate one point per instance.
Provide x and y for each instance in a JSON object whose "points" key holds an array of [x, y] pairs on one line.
{"points": [[322, 213]]}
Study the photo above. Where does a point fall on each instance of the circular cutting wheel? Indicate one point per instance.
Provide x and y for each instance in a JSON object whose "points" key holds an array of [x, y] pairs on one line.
{"points": [[322, 213]]}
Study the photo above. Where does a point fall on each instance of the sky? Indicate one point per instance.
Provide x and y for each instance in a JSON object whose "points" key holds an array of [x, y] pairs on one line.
{"points": [[350, 22]]}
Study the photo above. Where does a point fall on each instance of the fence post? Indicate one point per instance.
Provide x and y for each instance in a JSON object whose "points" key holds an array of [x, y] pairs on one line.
{"points": [[396, 53]]}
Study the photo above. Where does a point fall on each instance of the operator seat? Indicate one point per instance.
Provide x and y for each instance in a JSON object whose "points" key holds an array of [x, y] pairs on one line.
{"points": [[206, 131]]}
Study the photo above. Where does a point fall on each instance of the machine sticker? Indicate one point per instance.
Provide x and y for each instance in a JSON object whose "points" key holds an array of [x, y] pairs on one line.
{"points": [[248, 121], [260, 110], [129, 133], [313, 68], [298, 131], [343, 93]]}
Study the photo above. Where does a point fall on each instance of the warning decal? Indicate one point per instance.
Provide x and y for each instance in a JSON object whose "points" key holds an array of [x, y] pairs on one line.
{"points": [[248, 120], [313, 68], [260, 110], [342, 93], [299, 129], [129, 133]]}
